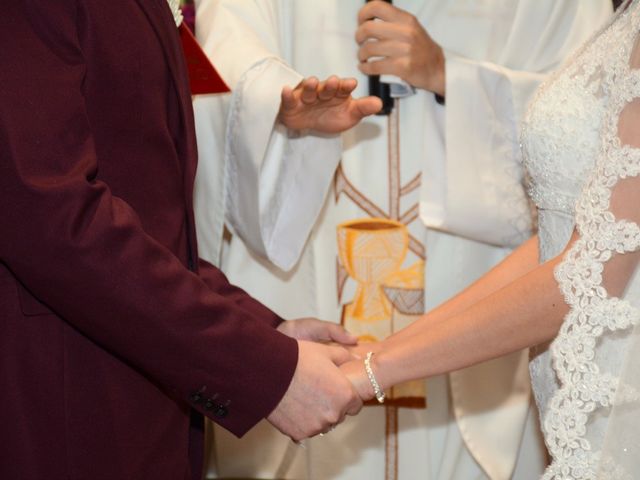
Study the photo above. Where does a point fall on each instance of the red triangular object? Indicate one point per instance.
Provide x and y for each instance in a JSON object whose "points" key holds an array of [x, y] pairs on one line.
{"points": [[203, 77]]}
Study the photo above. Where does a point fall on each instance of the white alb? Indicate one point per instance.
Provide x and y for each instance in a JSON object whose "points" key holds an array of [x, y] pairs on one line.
{"points": [[498, 53], [575, 159]]}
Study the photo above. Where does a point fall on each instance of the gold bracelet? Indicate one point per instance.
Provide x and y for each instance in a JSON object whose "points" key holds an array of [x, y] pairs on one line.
{"points": [[379, 393]]}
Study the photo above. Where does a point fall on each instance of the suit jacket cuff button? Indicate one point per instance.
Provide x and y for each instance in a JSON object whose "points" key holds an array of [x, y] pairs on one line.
{"points": [[221, 411]]}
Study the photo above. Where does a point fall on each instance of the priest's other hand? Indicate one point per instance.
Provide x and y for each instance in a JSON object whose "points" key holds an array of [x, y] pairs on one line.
{"points": [[396, 44], [314, 330], [319, 396], [325, 107]]}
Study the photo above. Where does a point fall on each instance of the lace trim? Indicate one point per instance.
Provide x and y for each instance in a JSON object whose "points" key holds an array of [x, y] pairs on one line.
{"points": [[571, 60], [584, 388]]}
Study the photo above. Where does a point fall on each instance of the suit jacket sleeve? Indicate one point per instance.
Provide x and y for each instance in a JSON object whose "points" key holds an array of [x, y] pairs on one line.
{"points": [[83, 251], [216, 280]]}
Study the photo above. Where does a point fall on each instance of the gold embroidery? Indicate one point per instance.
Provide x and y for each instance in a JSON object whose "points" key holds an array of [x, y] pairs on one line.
{"points": [[372, 251]]}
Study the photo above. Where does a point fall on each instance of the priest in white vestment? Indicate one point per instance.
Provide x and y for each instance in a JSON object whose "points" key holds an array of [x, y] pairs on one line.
{"points": [[372, 227]]}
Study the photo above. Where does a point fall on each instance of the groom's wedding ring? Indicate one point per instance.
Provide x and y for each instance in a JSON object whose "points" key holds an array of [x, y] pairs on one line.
{"points": [[331, 427]]}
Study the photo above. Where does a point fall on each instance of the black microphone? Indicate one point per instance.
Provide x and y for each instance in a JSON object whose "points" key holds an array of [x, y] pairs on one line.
{"points": [[379, 89]]}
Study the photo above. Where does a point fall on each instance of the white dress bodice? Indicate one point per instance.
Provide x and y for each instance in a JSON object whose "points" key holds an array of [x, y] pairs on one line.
{"points": [[574, 158], [560, 142]]}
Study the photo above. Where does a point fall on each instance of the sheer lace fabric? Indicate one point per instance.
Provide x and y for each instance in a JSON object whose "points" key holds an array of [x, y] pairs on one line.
{"points": [[581, 144]]}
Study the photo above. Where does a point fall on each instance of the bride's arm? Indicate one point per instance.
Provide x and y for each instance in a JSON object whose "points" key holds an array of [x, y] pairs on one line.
{"points": [[521, 261], [475, 326], [518, 307], [529, 309]]}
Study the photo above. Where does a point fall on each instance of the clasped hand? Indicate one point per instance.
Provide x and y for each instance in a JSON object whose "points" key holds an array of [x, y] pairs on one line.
{"points": [[320, 395]]}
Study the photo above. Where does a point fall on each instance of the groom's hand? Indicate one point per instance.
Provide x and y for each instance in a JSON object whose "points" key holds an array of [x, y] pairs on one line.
{"points": [[315, 330], [319, 396]]}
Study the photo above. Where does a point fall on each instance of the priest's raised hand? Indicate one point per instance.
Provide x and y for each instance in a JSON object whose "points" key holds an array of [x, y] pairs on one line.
{"points": [[326, 107]]}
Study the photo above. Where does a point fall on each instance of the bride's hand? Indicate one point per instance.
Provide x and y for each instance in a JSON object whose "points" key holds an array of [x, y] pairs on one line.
{"points": [[362, 348], [355, 372], [314, 330]]}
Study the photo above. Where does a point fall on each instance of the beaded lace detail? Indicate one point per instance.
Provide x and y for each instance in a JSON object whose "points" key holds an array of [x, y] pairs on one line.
{"points": [[570, 139]]}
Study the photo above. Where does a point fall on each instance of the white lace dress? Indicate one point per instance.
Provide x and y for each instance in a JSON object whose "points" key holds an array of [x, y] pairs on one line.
{"points": [[577, 153]]}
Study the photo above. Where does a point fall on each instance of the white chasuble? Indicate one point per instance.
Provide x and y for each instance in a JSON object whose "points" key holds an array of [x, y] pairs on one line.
{"points": [[370, 228]]}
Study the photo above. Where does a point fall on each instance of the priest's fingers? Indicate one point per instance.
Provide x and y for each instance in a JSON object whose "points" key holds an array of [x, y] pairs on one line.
{"points": [[374, 30], [382, 10], [309, 90], [287, 99], [383, 48], [367, 106], [346, 88], [386, 66], [328, 89]]}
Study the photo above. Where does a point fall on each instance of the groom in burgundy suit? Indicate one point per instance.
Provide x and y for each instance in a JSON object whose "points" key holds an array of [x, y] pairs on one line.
{"points": [[114, 337]]}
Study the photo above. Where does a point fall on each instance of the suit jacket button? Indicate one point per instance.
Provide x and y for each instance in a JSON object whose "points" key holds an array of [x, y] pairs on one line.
{"points": [[196, 398], [209, 405], [221, 411]]}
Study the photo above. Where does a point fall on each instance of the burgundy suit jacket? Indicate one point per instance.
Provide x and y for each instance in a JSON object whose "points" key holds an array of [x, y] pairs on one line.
{"points": [[111, 331]]}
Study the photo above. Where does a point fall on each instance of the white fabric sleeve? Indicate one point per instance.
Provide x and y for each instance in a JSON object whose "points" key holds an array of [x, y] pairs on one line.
{"points": [[275, 182], [477, 192], [480, 193]]}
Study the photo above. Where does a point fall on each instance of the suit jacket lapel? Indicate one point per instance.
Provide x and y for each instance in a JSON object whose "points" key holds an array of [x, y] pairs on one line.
{"points": [[161, 19]]}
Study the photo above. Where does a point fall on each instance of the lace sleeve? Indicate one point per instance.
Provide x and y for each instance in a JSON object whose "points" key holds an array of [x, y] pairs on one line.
{"points": [[595, 354]]}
